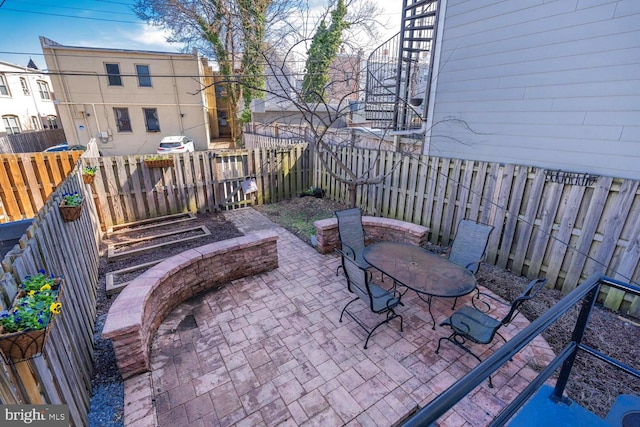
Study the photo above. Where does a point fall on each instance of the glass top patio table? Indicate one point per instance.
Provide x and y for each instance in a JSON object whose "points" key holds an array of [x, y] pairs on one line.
{"points": [[428, 274]]}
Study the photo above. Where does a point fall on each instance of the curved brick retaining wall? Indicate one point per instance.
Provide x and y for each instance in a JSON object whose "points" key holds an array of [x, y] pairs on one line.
{"points": [[137, 312], [375, 227]]}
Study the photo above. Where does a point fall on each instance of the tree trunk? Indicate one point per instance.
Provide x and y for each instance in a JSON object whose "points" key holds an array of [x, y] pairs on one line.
{"points": [[352, 195]]}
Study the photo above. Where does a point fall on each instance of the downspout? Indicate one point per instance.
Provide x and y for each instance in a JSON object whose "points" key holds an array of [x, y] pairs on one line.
{"points": [[434, 71], [175, 93], [66, 93]]}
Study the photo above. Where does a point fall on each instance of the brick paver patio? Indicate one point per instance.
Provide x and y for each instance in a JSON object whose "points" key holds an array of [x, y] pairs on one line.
{"points": [[269, 350]]}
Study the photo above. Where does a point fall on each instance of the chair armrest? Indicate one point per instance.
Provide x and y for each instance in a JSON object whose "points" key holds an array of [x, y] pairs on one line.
{"points": [[476, 299], [473, 263], [347, 251]]}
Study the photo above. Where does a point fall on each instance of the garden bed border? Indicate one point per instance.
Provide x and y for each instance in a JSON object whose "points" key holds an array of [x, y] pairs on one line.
{"points": [[376, 228], [138, 311]]}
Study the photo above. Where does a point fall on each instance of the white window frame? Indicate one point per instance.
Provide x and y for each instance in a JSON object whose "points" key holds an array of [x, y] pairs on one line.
{"points": [[4, 88], [10, 128], [35, 122], [25, 86], [43, 88], [53, 122]]}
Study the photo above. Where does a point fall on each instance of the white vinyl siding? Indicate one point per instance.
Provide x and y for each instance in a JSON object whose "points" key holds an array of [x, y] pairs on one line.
{"points": [[548, 84]]}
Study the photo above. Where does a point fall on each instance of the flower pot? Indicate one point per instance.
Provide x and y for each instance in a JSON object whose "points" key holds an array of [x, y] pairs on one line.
{"points": [[158, 163], [70, 213], [24, 345], [88, 179]]}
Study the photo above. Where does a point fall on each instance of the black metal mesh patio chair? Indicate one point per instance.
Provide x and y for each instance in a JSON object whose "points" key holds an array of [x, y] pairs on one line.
{"points": [[470, 323], [469, 246], [352, 235], [379, 300]]}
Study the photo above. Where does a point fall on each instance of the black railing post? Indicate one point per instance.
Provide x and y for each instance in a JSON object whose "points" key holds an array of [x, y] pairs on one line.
{"points": [[576, 337]]}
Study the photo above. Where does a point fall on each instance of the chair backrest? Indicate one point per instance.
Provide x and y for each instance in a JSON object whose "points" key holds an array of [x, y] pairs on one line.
{"points": [[530, 291], [351, 230], [469, 245], [357, 279]]}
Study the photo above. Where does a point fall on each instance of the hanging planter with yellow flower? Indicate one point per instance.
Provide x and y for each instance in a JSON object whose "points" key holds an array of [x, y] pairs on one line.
{"points": [[25, 325]]}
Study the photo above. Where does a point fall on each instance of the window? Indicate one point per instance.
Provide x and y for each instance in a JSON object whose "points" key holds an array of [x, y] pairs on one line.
{"points": [[123, 123], [43, 87], [53, 122], [4, 90], [113, 74], [144, 77], [25, 87], [151, 119], [35, 123], [11, 124]]}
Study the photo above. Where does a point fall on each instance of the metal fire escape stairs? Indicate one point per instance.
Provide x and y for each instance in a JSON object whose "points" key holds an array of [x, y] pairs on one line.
{"points": [[398, 72]]}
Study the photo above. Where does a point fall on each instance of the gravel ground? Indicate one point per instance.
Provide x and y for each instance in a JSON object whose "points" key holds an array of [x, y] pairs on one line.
{"points": [[592, 384]]}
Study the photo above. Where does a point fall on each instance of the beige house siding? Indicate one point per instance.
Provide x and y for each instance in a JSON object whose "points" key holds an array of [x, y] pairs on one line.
{"points": [[87, 97]]}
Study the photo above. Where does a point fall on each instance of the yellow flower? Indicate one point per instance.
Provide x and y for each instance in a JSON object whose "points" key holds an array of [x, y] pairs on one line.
{"points": [[32, 293], [55, 308], [45, 287]]}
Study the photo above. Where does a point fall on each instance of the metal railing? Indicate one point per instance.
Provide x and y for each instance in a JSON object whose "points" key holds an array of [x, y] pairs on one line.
{"points": [[587, 292]]}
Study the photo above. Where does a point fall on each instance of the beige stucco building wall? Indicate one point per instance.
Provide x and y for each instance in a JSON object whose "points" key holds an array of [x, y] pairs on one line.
{"points": [[89, 101], [28, 104]]}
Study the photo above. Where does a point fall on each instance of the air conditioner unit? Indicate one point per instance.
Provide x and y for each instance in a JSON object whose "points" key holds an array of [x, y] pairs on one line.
{"points": [[103, 135]]}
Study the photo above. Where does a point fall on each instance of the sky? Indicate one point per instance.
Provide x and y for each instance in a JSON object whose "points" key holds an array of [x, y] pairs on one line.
{"points": [[93, 23]]}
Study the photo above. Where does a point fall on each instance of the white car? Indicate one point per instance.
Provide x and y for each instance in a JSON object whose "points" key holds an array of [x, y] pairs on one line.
{"points": [[175, 144]]}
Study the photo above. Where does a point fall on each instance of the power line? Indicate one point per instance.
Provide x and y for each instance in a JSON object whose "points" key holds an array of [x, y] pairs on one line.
{"points": [[115, 2], [73, 8], [74, 17]]}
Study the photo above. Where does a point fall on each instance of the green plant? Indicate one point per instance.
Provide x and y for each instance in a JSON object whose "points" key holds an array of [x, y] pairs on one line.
{"points": [[35, 283], [72, 199], [89, 170], [157, 157], [33, 308]]}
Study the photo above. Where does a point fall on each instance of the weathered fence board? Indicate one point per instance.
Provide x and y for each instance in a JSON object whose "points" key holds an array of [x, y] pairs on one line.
{"points": [[27, 180], [69, 250], [30, 142], [562, 231]]}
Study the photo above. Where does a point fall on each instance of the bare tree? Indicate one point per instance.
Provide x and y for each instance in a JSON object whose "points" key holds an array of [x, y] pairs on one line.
{"points": [[231, 32]]}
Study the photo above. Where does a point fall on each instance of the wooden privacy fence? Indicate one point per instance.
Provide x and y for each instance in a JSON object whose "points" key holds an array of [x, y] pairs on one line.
{"points": [[561, 231], [69, 250], [30, 142], [28, 179], [262, 141], [203, 181]]}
